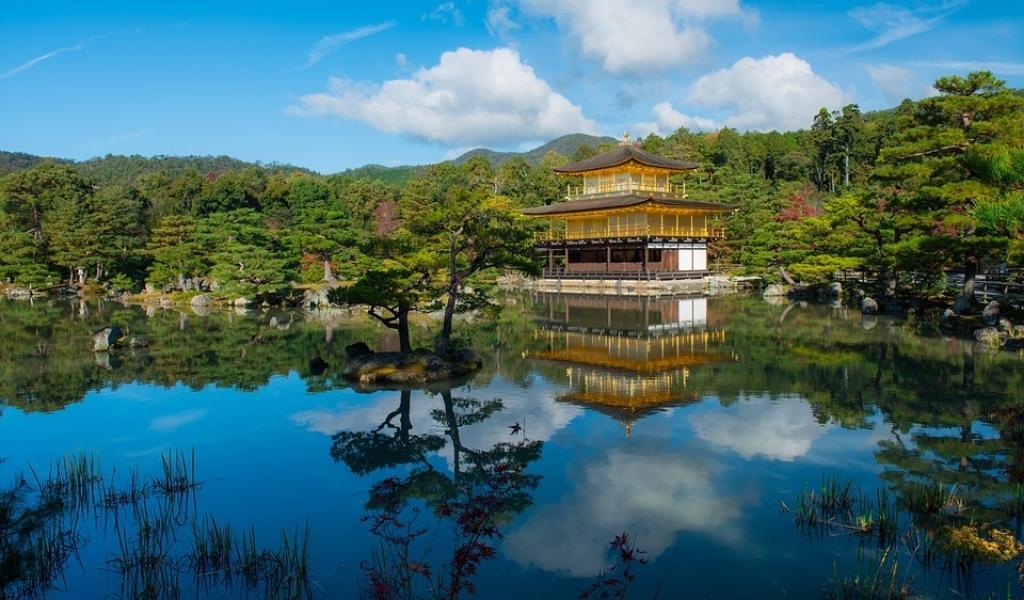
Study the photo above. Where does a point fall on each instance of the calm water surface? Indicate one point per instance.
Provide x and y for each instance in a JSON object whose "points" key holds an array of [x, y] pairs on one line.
{"points": [[684, 422]]}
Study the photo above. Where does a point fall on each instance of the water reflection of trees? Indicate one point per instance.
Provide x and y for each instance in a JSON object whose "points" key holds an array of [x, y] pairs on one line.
{"points": [[46, 360], [470, 501], [954, 413]]}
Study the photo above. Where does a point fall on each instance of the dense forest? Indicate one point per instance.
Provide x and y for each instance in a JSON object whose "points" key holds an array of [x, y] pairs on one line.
{"points": [[906, 193]]}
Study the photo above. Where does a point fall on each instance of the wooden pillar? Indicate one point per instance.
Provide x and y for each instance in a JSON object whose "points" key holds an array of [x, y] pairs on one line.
{"points": [[608, 259], [643, 257]]}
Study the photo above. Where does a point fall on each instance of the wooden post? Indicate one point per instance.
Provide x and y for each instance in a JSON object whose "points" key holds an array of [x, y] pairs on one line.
{"points": [[608, 259]]}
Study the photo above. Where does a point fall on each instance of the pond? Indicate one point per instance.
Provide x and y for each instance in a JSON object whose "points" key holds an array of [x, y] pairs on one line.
{"points": [[678, 447]]}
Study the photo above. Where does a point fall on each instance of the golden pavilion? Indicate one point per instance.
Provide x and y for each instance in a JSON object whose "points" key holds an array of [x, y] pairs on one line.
{"points": [[623, 218]]}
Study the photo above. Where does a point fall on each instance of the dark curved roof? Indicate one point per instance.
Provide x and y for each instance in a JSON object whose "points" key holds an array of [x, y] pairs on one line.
{"points": [[623, 154], [585, 204]]}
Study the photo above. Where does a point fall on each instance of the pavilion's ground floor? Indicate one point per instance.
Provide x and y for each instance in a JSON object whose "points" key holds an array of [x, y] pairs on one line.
{"points": [[624, 259]]}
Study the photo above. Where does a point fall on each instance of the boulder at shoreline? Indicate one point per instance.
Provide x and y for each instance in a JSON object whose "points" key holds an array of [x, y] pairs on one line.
{"points": [[106, 338]]}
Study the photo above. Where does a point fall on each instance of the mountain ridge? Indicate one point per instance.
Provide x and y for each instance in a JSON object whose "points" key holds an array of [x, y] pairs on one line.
{"points": [[119, 167], [566, 145]]}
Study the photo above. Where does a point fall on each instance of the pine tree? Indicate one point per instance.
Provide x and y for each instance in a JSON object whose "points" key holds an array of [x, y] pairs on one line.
{"points": [[176, 251]]}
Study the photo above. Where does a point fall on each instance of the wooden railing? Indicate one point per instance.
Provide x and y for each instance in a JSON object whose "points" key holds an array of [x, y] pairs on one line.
{"points": [[639, 274], [631, 232], [988, 287], [625, 187]]}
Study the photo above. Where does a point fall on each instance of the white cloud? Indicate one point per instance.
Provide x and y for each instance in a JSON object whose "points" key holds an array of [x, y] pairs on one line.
{"points": [[25, 66], [445, 12], [773, 92], [1001, 68], [456, 151], [781, 429], [499, 20], [653, 493], [471, 97], [893, 23], [667, 120], [707, 9], [402, 61], [130, 135], [330, 43], [896, 83], [641, 36]]}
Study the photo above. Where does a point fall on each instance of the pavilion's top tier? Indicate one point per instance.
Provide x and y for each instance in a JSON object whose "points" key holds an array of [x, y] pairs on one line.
{"points": [[625, 170], [624, 158]]}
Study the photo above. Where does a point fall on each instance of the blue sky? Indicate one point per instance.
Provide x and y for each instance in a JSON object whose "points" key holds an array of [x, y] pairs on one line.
{"points": [[332, 85]]}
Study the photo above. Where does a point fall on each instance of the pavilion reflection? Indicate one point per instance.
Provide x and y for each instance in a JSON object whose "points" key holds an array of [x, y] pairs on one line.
{"points": [[627, 357]]}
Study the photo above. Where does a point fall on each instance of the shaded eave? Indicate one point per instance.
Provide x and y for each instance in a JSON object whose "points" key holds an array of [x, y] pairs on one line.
{"points": [[589, 204], [622, 155]]}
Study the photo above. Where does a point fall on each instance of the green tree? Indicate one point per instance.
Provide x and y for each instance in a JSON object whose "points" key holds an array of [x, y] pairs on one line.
{"points": [[361, 198], [245, 257], [28, 199], [232, 190], [1000, 165], [176, 252], [326, 233], [99, 233], [465, 232], [550, 187], [21, 258], [930, 178], [821, 139], [849, 138], [391, 293]]}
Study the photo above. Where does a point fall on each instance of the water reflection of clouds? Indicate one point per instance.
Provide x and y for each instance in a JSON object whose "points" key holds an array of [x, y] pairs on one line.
{"points": [[535, 410], [654, 493], [782, 428], [169, 423]]}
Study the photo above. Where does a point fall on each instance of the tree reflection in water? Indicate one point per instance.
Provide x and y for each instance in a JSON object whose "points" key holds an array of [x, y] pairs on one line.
{"points": [[927, 414], [481, 492]]}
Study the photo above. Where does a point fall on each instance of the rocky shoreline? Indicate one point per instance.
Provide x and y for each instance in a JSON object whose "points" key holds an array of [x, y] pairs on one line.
{"points": [[197, 297]]}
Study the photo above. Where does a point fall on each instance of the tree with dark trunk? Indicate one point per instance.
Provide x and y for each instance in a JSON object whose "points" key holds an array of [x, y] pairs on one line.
{"points": [[463, 233], [389, 294]]}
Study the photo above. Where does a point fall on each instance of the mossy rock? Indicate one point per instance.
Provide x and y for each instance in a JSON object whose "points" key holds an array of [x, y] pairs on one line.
{"points": [[412, 368]]}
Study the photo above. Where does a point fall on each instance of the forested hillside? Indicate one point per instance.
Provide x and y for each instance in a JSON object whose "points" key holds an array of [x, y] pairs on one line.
{"points": [[924, 187], [113, 168], [399, 175], [566, 145], [16, 161]]}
